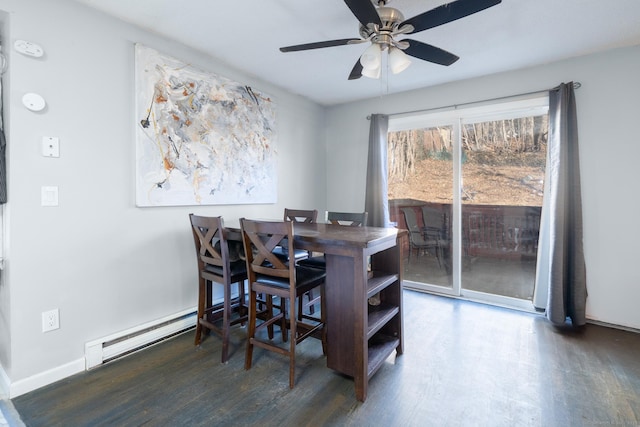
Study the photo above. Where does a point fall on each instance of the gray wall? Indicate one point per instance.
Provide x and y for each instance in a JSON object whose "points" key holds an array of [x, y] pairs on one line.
{"points": [[107, 265], [608, 109]]}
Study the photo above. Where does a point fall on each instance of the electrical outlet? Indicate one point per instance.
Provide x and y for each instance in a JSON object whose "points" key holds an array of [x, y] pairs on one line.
{"points": [[50, 320]]}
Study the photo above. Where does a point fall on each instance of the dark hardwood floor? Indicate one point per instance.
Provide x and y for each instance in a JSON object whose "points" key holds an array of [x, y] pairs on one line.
{"points": [[465, 364]]}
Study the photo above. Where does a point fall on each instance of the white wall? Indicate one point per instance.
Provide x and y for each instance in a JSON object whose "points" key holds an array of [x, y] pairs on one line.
{"points": [[608, 109], [104, 263]]}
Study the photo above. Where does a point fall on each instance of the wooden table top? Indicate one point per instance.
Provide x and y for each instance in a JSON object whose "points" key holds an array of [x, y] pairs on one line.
{"points": [[332, 234]]}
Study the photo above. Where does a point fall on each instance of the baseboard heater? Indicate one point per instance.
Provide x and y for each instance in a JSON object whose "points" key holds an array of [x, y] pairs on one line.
{"points": [[120, 344]]}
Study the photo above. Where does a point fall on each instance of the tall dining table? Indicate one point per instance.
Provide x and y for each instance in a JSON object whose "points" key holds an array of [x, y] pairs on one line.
{"points": [[363, 296]]}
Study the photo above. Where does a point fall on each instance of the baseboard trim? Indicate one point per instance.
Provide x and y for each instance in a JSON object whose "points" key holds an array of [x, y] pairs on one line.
{"points": [[614, 326], [134, 339], [42, 379]]}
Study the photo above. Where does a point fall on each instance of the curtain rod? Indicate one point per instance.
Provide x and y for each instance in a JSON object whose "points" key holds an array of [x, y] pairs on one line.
{"points": [[576, 85]]}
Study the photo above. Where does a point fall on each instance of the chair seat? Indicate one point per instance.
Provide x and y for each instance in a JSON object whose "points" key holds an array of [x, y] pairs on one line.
{"points": [[282, 253], [306, 278], [314, 262], [237, 268]]}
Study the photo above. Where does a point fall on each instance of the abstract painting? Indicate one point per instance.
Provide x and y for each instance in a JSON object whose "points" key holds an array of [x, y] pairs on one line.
{"points": [[201, 139]]}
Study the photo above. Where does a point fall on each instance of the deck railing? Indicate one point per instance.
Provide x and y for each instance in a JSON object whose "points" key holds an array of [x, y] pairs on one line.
{"points": [[487, 230]]}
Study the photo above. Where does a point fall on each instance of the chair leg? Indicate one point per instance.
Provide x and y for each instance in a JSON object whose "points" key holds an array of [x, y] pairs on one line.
{"points": [[300, 306], [283, 322], [252, 328], [208, 304], [242, 304], [323, 311], [201, 299], [309, 295], [269, 315], [292, 343], [226, 320]]}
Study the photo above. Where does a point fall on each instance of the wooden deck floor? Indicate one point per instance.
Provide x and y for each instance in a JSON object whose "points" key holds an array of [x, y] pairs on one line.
{"points": [[512, 278], [465, 364]]}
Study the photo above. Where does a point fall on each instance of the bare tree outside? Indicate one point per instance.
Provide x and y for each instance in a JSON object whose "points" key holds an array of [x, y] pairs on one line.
{"points": [[503, 163]]}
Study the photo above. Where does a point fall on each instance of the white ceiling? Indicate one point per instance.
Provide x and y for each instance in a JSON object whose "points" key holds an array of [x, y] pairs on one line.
{"points": [[246, 34]]}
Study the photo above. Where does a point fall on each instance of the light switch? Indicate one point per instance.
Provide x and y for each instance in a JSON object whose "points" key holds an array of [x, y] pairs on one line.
{"points": [[50, 146], [49, 196]]}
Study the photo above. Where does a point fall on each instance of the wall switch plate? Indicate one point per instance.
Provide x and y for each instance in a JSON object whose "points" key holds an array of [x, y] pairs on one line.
{"points": [[50, 320], [49, 196], [50, 146]]}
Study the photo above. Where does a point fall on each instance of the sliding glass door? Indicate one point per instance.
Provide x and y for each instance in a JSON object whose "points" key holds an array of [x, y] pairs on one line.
{"points": [[467, 185]]}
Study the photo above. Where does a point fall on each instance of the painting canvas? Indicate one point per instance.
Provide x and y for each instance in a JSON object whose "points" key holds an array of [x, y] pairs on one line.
{"points": [[201, 139]]}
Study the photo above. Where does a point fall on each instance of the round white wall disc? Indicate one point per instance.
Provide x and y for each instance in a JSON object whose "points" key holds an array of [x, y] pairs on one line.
{"points": [[33, 101]]}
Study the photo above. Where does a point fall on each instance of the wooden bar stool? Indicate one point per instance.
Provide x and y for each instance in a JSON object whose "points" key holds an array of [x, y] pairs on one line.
{"points": [[215, 266], [270, 275]]}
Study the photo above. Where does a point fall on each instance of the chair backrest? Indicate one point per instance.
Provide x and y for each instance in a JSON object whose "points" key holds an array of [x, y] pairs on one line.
{"points": [[259, 239], [300, 215], [210, 239], [415, 233], [411, 219], [434, 222], [352, 219], [432, 217]]}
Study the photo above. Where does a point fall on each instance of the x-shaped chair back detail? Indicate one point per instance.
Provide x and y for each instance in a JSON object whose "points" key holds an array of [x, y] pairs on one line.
{"points": [[260, 238], [351, 219], [208, 234], [301, 215]]}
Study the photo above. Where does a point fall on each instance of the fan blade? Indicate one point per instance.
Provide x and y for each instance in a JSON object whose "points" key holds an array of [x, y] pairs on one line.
{"points": [[429, 53], [318, 45], [365, 11], [447, 13], [356, 72]]}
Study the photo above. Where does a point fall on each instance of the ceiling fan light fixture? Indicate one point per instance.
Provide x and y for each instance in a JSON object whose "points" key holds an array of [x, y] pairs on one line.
{"points": [[372, 57], [372, 73], [398, 60]]}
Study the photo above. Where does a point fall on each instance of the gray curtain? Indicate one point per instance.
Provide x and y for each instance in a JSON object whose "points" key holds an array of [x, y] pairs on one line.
{"points": [[376, 202], [561, 267]]}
